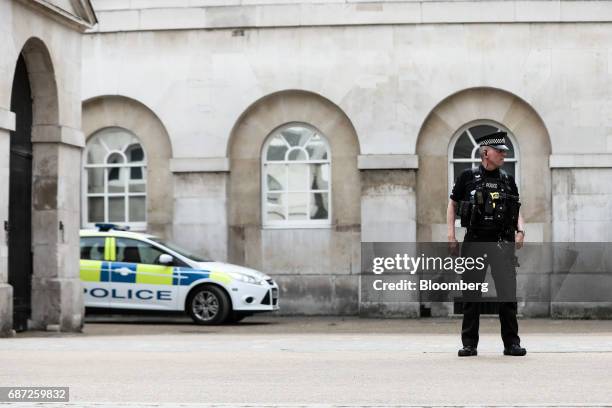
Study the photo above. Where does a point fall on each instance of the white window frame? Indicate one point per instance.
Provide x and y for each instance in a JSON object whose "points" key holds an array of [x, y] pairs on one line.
{"points": [[294, 224], [134, 226]]}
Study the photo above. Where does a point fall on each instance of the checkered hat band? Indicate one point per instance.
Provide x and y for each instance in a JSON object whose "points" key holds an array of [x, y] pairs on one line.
{"points": [[493, 142]]}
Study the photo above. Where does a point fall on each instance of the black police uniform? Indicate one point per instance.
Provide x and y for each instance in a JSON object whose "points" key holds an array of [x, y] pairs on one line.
{"points": [[499, 257]]}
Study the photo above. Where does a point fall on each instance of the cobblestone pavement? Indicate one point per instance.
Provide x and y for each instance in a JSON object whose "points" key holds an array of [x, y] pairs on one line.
{"points": [[322, 362]]}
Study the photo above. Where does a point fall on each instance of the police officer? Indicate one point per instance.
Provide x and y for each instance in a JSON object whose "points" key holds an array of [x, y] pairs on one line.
{"points": [[486, 199]]}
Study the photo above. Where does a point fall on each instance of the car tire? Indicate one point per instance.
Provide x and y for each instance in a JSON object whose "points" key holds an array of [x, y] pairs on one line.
{"points": [[208, 305]]}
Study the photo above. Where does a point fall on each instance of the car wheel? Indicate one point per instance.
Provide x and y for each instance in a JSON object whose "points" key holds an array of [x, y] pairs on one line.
{"points": [[208, 305]]}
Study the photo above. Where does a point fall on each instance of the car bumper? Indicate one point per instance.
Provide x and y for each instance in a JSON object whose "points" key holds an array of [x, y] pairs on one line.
{"points": [[255, 298]]}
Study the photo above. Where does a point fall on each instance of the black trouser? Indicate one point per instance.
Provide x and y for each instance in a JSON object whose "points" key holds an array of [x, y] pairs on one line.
{"points": [[501, 260]]}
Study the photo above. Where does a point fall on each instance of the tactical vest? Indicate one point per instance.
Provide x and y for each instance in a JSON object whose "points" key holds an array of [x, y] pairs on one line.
{"points": [[490, 206]]}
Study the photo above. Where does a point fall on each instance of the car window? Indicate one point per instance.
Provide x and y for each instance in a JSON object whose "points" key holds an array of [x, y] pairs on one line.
{"points": [[181, 251], [92, 248], [134, 251]]}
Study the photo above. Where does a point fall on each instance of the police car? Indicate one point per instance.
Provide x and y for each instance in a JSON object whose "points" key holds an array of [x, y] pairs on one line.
{"points": [[128, 270]]}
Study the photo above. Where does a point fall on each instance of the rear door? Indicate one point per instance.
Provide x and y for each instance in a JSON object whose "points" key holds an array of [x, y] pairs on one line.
{"points": [[138, 280], [94, 271]]}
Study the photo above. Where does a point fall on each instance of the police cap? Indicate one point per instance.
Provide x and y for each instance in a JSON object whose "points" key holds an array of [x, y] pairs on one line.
{"points": [[496, 140]]}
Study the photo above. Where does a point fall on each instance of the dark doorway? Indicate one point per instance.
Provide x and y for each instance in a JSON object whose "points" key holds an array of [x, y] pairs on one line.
{"points": [[20, 199]]}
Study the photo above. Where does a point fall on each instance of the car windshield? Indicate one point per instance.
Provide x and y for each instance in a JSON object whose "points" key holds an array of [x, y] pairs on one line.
{"points": [[182, 251]]}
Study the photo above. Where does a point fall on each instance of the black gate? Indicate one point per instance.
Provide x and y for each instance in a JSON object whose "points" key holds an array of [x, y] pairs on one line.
{"points": [[20, 199]]}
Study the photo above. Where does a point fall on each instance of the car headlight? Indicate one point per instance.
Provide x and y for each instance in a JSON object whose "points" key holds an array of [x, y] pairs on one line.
{"points": [[245, 278]]}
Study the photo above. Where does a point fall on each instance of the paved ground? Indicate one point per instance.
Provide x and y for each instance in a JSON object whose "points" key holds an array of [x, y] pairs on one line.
{"points": [[265, 361]]}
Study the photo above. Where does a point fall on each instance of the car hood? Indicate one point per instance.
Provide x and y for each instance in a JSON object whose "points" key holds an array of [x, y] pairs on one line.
{"points": [[227, 267]]}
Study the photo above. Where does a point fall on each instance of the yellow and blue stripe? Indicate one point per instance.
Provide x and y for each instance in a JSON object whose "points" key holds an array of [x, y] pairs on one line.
{"points": [[102, 271]]}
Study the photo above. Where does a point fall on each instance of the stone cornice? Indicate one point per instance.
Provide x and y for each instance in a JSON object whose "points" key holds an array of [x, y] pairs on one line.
{"points": [[586, 160], [57, 134], [185, 14], [80, 23]]}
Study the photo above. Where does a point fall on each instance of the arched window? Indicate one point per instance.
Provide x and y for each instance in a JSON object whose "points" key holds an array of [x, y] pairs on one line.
{"points": [[296, 183], [464, 153], [115, 182]]}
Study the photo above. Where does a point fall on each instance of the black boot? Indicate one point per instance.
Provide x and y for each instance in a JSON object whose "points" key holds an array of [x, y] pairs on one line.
{"points": [[515, 350], [467, 351]]}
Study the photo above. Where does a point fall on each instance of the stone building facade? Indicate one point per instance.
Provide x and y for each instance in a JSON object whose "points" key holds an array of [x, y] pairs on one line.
{"points": [[40, 162], [206, 87]]}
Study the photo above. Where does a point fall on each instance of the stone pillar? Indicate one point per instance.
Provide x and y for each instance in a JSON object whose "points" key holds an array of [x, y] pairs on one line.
{"points": [[57, 298], [388, 214], [200, 206], [7, 124]]}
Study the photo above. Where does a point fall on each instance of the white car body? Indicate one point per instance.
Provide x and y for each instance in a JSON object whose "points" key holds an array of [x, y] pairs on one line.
{"points": [[108, 283]]}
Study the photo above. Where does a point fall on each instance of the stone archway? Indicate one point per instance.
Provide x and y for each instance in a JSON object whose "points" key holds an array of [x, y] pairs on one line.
{"points": [[435, 135], [529, 131], [20, 198], [316, 268], [123, 112], [55, 296]]}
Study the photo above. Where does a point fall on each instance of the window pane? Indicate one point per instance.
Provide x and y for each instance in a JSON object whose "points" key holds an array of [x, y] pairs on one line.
{"points": [[133, 251], [459, 167], [137, 183], [463, 147], [277, 149], [135, 173], [116, 209], [92, 248], [509, 168], [319, 206], [319, 176], [127, 250], [95, 181], [482, 130], [115, 158], [275, 207], [95, 152], [116, 179], [122, 147], [138, 186], [95, 206], [509, 153], [138, 209], [297, 154], [148, 253], [289, 194], [316, 148], [134, 153], [276, 176], [298, 205], [296, 135], [298, 177], [117, 138]]}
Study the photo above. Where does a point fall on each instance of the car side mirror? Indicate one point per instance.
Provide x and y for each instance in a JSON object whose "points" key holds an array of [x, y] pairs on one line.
{"points": [[166, 259]]}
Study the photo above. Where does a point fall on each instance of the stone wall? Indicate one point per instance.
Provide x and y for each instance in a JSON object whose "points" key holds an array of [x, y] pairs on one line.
{"points": [[397, 80], [51, 47]]}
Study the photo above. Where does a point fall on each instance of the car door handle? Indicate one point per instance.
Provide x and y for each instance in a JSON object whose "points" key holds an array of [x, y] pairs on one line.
{"points": [[124, 271]]}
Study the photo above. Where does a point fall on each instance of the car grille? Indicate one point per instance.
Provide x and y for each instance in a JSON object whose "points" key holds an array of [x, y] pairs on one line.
{"points": [[266, 299]]}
